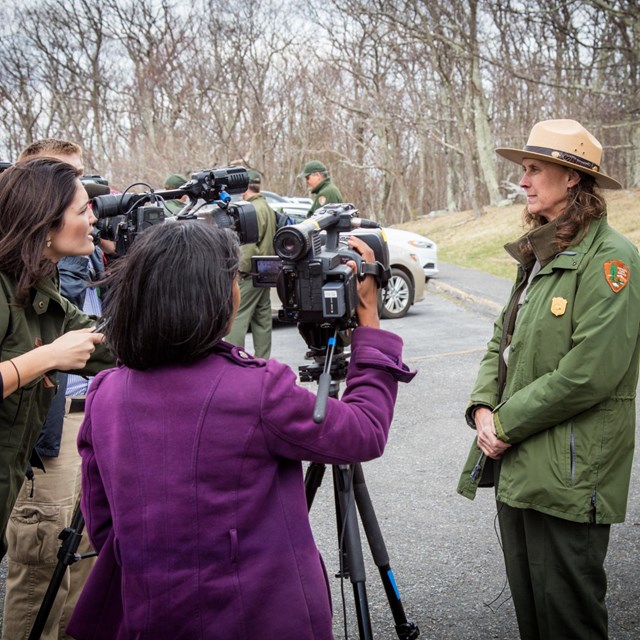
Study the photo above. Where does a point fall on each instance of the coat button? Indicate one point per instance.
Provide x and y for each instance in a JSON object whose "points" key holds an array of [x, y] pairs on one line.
{"points": [[41, 304]]}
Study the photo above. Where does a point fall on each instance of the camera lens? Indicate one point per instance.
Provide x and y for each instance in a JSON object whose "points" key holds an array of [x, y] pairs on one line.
{"points": [[290, 243]]}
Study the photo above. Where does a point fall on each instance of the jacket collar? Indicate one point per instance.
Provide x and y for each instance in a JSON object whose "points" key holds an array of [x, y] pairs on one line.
{"points": [[542, 239], [46, 291], [321, 185]]}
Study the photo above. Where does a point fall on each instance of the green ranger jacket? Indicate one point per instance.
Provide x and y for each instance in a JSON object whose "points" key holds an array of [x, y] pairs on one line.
{"points": [[266, 217], [568, 400], [324, 193], [22, 413]]}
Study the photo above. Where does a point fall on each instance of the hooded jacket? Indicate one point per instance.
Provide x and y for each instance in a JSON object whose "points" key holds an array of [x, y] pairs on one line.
{"points": [[568, 405]]}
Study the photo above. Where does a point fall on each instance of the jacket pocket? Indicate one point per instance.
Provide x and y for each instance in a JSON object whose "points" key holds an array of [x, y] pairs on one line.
{"points": [[32, 533], [572, 455]]}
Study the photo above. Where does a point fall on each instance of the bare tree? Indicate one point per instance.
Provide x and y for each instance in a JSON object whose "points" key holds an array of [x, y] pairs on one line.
{"points": [[405, 101]]}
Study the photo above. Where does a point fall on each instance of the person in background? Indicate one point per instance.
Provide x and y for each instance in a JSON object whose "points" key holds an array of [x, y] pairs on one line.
{"points": [[255, 302], [49, 495], [193, 488], [320, 185], [175, 181], [554, 400]]}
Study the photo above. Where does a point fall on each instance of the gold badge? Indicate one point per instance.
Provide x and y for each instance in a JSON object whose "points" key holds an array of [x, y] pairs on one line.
{"points": [[558, 306]]}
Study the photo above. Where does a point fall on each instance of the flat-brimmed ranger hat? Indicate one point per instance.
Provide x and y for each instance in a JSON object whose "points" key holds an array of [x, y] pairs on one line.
{"points": [[564, 142]]}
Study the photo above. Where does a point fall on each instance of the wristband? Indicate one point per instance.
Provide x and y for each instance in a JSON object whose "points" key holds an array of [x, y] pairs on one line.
{"points": [[17, 373]]}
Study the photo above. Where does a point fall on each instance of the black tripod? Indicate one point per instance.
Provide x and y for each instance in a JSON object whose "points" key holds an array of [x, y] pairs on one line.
{"points": [[350, 491], [67, 555]]}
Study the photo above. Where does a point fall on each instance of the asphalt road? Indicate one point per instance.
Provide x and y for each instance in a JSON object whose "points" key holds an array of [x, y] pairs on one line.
{"points": [[443, 548]]}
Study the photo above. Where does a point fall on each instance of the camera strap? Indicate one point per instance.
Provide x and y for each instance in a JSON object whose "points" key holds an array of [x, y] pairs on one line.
{"points": [[377, 270]]}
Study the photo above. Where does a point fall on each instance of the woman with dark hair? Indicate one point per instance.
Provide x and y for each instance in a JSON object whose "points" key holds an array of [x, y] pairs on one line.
{"points": [[554, 401], [44, 216], [192, 478]]}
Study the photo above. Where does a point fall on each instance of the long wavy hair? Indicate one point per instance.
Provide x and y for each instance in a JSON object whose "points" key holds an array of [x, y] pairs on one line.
{"points": [[33, 198], [584, 204]]}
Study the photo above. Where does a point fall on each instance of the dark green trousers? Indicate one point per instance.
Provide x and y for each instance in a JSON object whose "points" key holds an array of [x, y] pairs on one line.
{"points": [[254, 310], [556, 574]]}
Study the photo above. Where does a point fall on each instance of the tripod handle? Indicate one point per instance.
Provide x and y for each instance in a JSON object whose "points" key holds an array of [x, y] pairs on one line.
{"points": [[320, 408]]}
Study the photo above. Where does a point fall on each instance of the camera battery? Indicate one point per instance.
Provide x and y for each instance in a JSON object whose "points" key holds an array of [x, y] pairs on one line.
{"points": [[333, 303]]}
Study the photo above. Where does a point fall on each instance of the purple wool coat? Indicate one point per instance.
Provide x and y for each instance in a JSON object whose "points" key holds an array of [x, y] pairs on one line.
{"points": [[193, 493]]}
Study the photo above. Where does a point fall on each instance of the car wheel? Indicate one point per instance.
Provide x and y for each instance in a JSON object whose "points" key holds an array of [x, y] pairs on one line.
{"points": [[398, 296]]}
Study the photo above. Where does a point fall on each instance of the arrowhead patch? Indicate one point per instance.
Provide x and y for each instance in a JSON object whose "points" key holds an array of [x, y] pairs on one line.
{"points": [[616, 274]]}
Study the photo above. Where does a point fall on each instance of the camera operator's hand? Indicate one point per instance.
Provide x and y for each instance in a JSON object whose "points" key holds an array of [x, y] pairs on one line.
{"points": [[72, 349], [367, 309]]}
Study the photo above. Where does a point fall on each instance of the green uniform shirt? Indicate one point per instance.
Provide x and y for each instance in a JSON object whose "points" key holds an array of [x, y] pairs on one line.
{"points": [[266, 217], [568, 405], [324, 193], [173, 207], [23, 412]]}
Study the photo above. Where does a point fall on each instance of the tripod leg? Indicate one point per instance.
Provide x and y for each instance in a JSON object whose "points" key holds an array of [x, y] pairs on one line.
{"points": [[352, 548], [405, 629], [66, 556], [312, 481]]}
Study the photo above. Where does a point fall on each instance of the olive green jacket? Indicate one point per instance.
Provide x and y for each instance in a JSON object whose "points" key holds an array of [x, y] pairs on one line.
{"points": [[568, 405], [324, 193], [266, 218], [22, 414]]}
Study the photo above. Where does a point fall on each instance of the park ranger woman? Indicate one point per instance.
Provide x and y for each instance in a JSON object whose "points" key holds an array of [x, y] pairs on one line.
{"points": [[554, 401]]}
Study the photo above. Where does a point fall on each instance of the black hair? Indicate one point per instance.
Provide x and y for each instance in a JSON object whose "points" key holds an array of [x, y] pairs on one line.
{"points": [[170, 297]]}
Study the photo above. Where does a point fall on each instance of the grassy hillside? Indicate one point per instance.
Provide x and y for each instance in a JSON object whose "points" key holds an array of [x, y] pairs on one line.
{"points": [[478, 244]]}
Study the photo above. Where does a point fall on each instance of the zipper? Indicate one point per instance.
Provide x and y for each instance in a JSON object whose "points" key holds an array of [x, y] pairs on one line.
{"points": [[572, 453]]}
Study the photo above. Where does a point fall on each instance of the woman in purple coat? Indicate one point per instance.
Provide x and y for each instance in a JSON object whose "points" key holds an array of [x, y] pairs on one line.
{"points": [[193, 489]]}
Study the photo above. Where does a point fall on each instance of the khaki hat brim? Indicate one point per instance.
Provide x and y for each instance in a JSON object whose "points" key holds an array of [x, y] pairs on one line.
{"points": [[518, 155]]}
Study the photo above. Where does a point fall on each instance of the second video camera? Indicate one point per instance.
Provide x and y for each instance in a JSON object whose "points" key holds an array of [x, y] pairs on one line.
{"points": [[122, 216]]}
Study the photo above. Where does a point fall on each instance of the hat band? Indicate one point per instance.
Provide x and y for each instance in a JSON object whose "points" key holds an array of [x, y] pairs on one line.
{"points": [[563, 155]]}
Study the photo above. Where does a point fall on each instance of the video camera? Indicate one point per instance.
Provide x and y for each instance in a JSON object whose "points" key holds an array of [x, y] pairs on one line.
{"points": [[121, 217], [95, 185], [310, 272]]}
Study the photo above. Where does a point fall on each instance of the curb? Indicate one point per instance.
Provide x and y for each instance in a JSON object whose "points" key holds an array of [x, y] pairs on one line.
{"points": [[446, 289]]}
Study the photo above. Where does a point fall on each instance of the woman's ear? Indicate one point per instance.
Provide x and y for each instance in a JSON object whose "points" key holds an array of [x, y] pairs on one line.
{"points": [[573, 178]]}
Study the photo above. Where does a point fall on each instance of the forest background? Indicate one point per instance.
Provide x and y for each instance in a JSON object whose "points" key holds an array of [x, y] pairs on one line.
{"points": [[404, 100]]}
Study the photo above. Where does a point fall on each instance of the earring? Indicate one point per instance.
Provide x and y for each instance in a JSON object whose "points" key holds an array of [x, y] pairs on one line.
{"points": [[48, 243]]}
